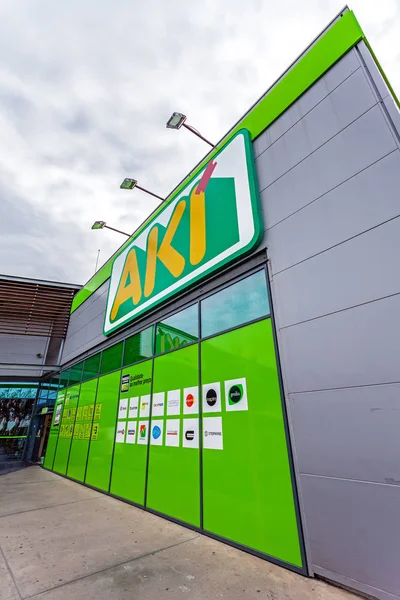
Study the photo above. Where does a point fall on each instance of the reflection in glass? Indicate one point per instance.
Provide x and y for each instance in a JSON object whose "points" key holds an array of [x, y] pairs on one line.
{"points": [[111, 359], [237, 304], [138, 347], [91, 367], [178, 330]]}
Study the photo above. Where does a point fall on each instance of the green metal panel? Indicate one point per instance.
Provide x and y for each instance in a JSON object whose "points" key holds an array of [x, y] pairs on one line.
{"points": [[66, 429], [247, 489], [130, 456], [101, 448], [174, 471], [320, 57], [82, 431]]}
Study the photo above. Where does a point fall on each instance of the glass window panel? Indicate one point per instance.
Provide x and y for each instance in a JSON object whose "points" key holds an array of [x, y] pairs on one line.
{"points": [[178, 330], [138, 347], [239, 303], [76, 374], [64, 377], [111, 359], [91, 367]]}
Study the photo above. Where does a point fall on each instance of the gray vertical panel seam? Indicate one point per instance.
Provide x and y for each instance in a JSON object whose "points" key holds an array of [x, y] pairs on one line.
{"points": [[353, 237], [289, 437], [346, 387], [335, 312], [305, 114], [333, 188], [349, 479], [321, 146], [370, 77]]}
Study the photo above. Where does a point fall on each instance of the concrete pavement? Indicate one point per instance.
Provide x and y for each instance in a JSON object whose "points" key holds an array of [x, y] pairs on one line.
{"points": [[62, 541]]}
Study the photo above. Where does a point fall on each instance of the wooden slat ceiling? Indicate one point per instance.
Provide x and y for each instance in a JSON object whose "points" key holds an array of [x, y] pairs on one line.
{"points": [[34, 309]]}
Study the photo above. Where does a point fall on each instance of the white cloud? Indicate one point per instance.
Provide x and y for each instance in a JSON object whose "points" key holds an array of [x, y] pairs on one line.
{"points": [[86, 88]]}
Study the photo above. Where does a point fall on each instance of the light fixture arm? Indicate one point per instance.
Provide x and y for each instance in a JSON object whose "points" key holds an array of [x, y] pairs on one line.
{"points": [[117, 230], [193, 130], [148, 192]]}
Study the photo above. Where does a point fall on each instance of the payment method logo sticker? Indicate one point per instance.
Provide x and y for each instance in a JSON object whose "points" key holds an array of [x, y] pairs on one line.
{"points": [[172, 431], [131, 432], [190, 437], [143, 432], [157, 433], [174, 402], [125, 379], [212, 397], [191, 401], [133, 408], [123, 408], [212, 433], [144, 406], [120, 434], [158, 404], [236, 394]]}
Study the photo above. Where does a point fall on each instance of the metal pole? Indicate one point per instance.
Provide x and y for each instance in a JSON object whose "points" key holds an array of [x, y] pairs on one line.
{"points": [[97, 260], [117, 230], [198, 134], [148, 192]]}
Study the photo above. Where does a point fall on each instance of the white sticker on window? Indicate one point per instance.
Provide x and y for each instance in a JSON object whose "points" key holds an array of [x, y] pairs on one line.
{"points": [[172, 431], [190, 433], [143, 432], [236, 394], [123, 408], [120, 434], [133, 408], [144, 410], [174, 402], [212, 433], [131, 432], [212, 397], [191, 401], [158, 404], [157, 428]]}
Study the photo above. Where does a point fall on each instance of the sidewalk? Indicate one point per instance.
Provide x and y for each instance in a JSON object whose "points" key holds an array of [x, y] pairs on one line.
{"points": [[62, 541]]}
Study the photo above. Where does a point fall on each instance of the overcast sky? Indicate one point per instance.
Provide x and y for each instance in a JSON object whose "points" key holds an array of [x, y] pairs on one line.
{"points": [[86, 87]]}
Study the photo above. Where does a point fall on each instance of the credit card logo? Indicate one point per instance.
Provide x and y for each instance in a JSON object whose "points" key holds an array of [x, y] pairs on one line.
{"points": [[189, 434], [189, 400], [142, 431]]}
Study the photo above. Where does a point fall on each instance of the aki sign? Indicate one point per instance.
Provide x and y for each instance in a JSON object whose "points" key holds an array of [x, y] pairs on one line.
{"points": [[211, 222]]}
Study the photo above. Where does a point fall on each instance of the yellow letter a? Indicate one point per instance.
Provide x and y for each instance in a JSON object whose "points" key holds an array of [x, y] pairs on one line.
{"points": [[174, 261], [126, 290]]}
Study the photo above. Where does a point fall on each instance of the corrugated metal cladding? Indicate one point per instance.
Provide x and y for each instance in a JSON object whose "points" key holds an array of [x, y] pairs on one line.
{"points": [[329, 180], [34, 309]]}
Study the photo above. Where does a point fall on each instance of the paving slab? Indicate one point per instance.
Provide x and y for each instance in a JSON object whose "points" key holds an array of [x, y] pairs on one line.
{"points": [[31, 474], [200, 569], [8, 591], [61, 543], [93, 547], [20, 497]]}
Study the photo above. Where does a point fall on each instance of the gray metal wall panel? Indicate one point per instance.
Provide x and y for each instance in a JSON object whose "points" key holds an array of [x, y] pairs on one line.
{"points": [[350, 523], [19, 349], [358, 146], [342, 213], [338, 110], [350, 433], [362, 269], [359, 346]]}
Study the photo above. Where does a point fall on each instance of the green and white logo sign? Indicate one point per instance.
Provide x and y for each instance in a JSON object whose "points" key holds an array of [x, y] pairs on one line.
{"points": [[212, 221]]}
